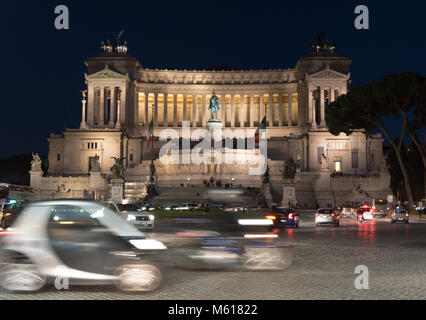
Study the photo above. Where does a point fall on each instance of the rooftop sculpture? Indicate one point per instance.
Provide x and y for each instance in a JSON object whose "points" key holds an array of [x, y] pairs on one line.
{"points": [[321, 45], [118, 47]]}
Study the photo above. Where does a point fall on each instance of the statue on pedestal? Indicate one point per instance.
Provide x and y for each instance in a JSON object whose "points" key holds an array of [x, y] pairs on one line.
{"points": [[214, 106], [83, 94], [36, 162], [289, 170], [118, 168], [94, 163]]}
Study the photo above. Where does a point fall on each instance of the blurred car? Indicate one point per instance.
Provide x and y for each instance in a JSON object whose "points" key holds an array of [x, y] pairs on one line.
{"points": [[347, 212], [263, 208], [283, 217], [183, 207], [81, 241], [400, 215], [327, 216], [147, 207], [9, 212], [365, 213], [235, 208], [212, 251], [133, 214]]}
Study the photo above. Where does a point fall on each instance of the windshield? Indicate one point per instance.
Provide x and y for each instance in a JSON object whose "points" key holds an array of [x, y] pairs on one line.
{"points": [[283, 210], [325, 211], [106, 217], [128, 207]]}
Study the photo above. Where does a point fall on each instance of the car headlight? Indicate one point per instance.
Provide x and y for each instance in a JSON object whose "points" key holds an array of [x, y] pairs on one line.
{"points": [[131, 217], [151, 217], [143, 208]]}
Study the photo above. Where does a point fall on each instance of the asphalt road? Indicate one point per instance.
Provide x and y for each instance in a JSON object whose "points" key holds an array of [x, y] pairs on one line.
{"points": [[323, 267]]}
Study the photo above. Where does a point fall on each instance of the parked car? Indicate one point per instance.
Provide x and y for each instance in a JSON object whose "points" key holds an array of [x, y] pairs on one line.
{"points": [[365, 213], [400, 215], [327, 216], [283, 217], [134, 214], [81, 241], [9, 212]]}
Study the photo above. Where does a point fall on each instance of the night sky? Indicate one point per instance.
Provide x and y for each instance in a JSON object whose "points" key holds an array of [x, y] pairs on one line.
{"points": [[43, 68]]}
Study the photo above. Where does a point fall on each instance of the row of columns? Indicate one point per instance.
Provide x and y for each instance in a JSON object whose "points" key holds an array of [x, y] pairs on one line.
{"points": [[317, 95], [254, 113], [97, 111]]}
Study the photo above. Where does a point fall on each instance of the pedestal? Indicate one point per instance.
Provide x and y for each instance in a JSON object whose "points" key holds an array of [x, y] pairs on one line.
{"points": [[267, 194], [215, 128], [289, 195], [117, 191]]}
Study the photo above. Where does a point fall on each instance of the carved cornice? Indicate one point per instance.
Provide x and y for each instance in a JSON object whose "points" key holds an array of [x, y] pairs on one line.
{"points": [[217, 77], [220, 89]]}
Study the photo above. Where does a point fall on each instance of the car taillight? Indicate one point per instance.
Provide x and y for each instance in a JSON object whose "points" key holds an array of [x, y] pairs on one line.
{"points": [[332, 214], [271, 217], [393, 214], [290, 216], [406, 214], [316, 214]]}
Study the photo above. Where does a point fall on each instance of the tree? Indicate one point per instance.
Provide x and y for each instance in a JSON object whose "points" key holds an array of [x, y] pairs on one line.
{"points": [[406, 92], [364, 107]]}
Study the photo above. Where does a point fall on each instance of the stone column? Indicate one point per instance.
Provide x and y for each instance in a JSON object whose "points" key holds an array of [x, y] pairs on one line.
{"points": [[310, 105], [165, 110], [83, 114], [261, 108], [251, 110], [194, 110], [184, 109], [314, 116], [243, 111], [232, 111], [223, 110], [113, 107], [135, 104], [280, 109], [123, 104], [270, 111], [91, 106], [290, 109], [155, 110], [147, 122], [204, 118], [332, 97], [102, 107], [322, 107], [175, 115], [118, 123]]}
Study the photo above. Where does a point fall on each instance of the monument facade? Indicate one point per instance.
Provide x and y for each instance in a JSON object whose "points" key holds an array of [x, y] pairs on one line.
{"points": [[126, 104]]}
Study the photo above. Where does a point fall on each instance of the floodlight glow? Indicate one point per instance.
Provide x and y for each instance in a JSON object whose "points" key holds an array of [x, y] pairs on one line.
{"points": [[256, 236], [255, 222]]}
